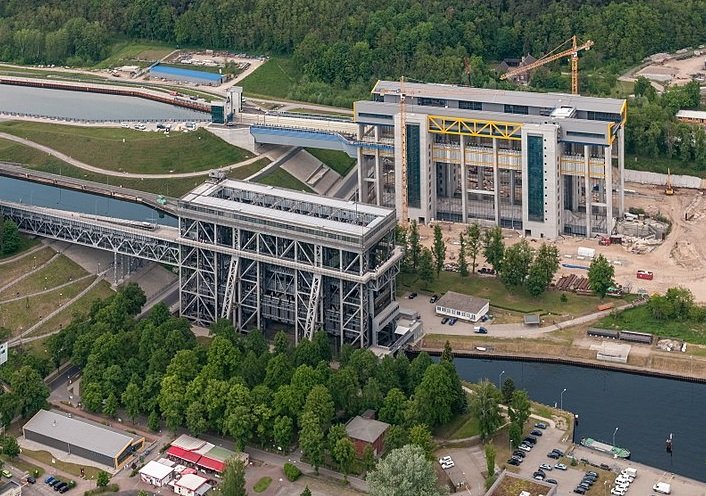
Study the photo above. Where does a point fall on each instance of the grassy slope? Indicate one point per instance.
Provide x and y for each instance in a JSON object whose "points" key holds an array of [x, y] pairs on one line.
{"points": [[283, 179], [492, 289], [662, 164], [338, 161], [639, 319], [129, 52], [274, 78], [132, 151], [246, 171]]}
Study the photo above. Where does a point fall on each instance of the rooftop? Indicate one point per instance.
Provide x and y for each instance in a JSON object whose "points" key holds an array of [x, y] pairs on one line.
{"points": [[509, 484], [191, 482], [156, 470], [79, 432], [8, 487], [452, 92], [177, 71], [463, 302], [368, 430], [288, 206], [691, 114]]}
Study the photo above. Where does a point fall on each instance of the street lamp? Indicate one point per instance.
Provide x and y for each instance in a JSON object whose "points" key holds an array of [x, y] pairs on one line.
{"points": [[561, 400], [500, 379], [614, 432]]}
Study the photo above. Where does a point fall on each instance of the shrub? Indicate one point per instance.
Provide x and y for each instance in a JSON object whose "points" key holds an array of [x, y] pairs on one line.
{"points": [[291, 472]]}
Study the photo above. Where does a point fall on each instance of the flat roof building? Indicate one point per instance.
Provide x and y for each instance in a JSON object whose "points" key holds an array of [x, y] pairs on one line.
{"points": [[462, 306], [82, 438], [10, 488], [187, 75], [544, 164], [191, 485], [156, 473]]}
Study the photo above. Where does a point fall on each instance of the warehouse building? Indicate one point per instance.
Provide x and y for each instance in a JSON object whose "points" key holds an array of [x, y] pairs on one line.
{"points": [[187, 75], [544, 164], [82, 438], [462, 306]]}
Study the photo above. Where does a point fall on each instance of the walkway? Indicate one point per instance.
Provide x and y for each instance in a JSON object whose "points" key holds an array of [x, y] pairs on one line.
{"points": [[107, 172], [20, 256]]}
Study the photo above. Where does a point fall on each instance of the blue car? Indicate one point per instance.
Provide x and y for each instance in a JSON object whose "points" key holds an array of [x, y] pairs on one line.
{"points": [[49, 480]]}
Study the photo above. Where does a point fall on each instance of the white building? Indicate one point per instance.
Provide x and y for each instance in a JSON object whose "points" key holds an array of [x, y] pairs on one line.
{"points": [[462, 306], [191, 485], [156, 474]]}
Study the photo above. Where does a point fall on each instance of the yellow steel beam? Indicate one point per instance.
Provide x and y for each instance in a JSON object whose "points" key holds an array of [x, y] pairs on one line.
{"points": [[474, 127]]}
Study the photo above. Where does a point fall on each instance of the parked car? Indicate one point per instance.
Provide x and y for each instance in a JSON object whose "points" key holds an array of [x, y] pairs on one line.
{"points": [[530, 439], [518, 458], [61, 486], [480, 330], [445, 459], [6, 473], [30, 479], [433, 298], [453, 321], [559, 452], [412, 296], [554, 455], [64, 489], [513, 461], [546, 466], [519, 453], [616, 491], [560, 466], [551, 481], [49, 480], [536, 432], [444, 320], [539, 475], [580, 490], [524, 447], [125, 125], [645, 274], [540, 425]]}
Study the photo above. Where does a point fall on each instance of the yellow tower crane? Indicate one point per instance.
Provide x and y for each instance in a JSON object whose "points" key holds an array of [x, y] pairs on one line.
{"points": [[572, 51], [404, 214]]}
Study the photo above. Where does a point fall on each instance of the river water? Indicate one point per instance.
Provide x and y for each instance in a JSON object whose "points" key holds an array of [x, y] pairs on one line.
{"points": [[43, 195], [88, 106], [644, 409]]}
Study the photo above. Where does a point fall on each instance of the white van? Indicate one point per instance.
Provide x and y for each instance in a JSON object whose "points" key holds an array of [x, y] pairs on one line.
{"points": [[630, 472], [662, 487]]}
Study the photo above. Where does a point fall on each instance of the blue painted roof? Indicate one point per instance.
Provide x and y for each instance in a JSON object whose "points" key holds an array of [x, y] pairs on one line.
{"points": [[177, 71]]}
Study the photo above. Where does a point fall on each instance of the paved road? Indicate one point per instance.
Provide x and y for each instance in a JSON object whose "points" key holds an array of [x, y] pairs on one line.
{"points": [[98, 170]]}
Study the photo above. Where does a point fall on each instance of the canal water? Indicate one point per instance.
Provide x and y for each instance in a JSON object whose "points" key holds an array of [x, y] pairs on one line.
{"points": [[644, 409], [88, 106], [43, 195]]}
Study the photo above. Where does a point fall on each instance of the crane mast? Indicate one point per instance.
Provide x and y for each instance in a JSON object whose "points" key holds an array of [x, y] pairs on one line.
{"points": [[404, 213]]}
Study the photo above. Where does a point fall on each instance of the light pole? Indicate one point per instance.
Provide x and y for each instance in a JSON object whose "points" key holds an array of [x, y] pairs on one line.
{"points": [[500, 379], [561, 400], [614, 432]]}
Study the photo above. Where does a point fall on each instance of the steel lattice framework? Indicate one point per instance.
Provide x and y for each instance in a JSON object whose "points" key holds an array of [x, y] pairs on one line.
{"points": [[238, 262]]}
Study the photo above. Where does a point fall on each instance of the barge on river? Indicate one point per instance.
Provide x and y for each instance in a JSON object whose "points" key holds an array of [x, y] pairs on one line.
{"points": [[605, 448]]}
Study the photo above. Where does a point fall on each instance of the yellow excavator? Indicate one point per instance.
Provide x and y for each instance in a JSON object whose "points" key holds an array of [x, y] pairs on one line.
{"points": [[668, 190]]}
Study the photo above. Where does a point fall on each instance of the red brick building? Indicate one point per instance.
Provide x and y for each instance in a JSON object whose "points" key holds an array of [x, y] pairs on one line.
{"points": [[367, 432]]}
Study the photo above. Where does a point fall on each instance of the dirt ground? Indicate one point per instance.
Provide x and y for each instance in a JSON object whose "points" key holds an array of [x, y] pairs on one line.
{"points": [[680, 70], [679, 261]]}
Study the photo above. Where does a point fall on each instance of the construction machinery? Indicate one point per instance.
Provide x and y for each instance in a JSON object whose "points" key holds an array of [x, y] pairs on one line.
{"points": [[572, 52], [668, 189]]}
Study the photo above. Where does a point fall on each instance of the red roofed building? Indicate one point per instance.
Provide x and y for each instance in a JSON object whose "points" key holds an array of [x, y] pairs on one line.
{"points": [[205, 456], [365, 432]]}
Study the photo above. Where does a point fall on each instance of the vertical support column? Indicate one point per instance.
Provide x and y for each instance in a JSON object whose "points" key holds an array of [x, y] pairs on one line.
{"points": [[464, 181], [361, 172], [496, 176], [621, 171], [115, 267], [379, 177], [589, 192], [609, 189]]}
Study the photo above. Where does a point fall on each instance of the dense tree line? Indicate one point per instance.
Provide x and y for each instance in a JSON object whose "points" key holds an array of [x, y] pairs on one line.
{"points": [[354, 42], [240, 386], [10, 240]]}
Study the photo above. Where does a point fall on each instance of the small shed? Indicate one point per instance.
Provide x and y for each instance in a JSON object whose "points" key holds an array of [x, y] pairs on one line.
{"points": [[462, 306], [365, 432]]}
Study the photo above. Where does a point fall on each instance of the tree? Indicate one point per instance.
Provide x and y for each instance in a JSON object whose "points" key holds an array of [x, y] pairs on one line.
{"points": [[132, 399], [426, 266], [10, 240], [462, 262], [10, 446], [420, 435], [393, 407], [102, 479], [306, 492], [493, 247], [233, 481], [414, 246], [542, 269], [404, 472], [474, 244], [600, 275], [368, 458], [111, 405], [196, 418], [516, 264], [434, 398], [283, 431], [490, 458], [486, 407], [515, 434], [153, 421], [507, 389], [396, 437], [448, 354], [311, 439], [519, 408], [29, 390], [344, 454], [320, 404], [281, 344], [438, 249]]}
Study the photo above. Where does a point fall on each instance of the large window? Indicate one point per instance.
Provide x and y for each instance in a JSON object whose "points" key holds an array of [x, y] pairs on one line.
{"points": [[467, 105], [535, 179], [431, 102], [414, 186], [517, 109]]}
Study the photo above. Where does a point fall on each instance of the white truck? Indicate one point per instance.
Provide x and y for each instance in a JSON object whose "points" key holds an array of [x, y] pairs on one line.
{"points": [[662, 487], [586, 252], [629, 472]]}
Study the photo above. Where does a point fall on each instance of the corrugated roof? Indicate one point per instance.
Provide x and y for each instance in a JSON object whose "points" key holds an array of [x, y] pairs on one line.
{"points": [[80, 433], [211, 464], [183, 454], [459, 301], [188, 443], [448, 91], [177, 71], [691, 114], [367, 430]]}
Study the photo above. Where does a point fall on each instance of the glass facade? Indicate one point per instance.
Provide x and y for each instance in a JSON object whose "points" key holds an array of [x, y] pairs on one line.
{"points": [[414, 186], [535, 178]]}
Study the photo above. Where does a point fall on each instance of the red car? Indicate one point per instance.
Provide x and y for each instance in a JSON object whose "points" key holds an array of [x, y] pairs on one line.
{"points": [[643, 274]]}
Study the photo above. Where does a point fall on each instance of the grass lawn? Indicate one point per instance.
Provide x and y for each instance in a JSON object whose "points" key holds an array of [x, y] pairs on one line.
{"points": [[130, 52], [60, 271], [10, 271], [25, 244], [283, 179], [262, 484], [100, 292], [326, 113], [133, 151], [461, 427], [70, 468], [274, 78], [248, 170], [500, 296], [338, 161], [661, 165], [23, 465], [640, 319]]}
